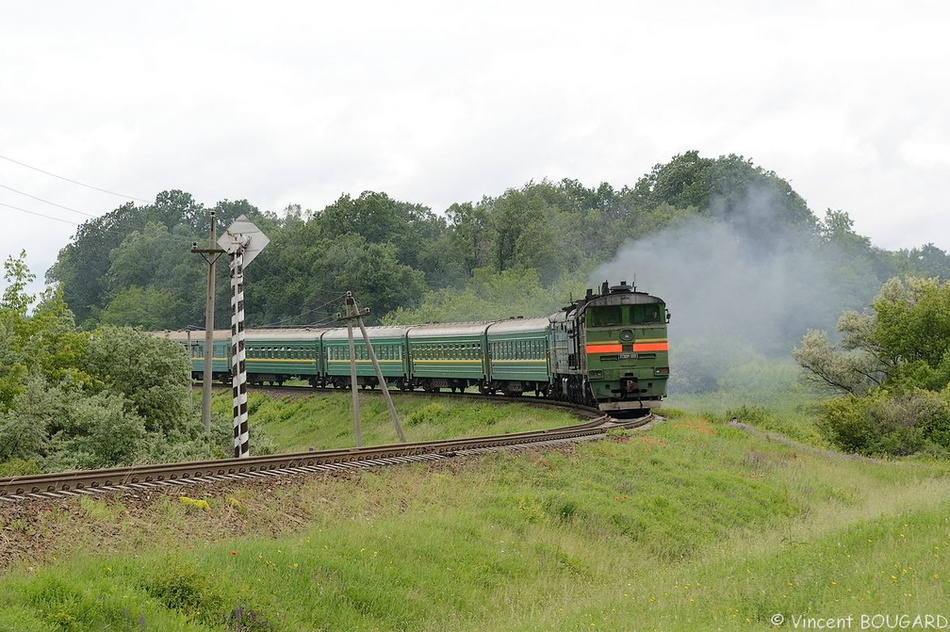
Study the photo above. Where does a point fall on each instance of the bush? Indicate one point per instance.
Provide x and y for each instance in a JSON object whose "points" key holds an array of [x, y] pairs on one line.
{"points": [[887, 424]]}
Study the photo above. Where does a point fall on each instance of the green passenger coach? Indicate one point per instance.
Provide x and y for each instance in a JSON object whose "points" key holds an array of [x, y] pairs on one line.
{"points": [[448, 355], [390, 346], [276, 355], [519, 355]]}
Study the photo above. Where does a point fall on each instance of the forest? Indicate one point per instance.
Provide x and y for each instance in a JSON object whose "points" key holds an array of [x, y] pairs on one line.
{"points": [[752, 275]]}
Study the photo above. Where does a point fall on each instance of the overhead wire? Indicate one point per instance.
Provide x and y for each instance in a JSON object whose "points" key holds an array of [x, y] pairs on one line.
{"points": [[3, 186], [57, 219], [82, 184], [45, 201], [281, 323]]}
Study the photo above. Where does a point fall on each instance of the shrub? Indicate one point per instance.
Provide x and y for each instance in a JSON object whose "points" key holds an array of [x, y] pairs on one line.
{"points": [[884, 423]]}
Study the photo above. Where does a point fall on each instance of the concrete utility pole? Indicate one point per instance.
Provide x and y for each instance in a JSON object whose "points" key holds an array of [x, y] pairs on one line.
{"points": [[354, 387], [210, 255], [354, 313]]}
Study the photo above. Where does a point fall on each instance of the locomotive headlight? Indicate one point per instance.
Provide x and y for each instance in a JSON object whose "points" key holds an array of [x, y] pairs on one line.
{"points": [[626, 335], [661, 370], [595, 373]]}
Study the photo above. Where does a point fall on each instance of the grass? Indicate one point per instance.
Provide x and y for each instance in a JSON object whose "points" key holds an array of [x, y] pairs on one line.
{"points": [[690, 525], [325, 420]]}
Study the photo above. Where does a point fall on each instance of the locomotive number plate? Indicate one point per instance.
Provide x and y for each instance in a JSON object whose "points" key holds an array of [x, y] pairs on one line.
{"points": [[627, 356]]}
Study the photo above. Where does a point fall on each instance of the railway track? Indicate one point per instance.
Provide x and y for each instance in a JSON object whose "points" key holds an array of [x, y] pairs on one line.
{"points": [[179, 475]]}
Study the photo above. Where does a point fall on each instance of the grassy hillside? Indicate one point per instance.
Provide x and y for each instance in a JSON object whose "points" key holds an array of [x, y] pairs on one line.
{"points": [[689, 525], [324, 420]]}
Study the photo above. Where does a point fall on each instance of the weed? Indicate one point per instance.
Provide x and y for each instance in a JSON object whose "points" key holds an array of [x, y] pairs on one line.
{"points": [[243, 619], [193, 504], [183, 587], [237, 504], [101, 510], [428, 414]]}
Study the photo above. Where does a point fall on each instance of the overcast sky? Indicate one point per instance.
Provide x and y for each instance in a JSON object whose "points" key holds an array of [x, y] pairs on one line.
{"points": [[437, 102]]}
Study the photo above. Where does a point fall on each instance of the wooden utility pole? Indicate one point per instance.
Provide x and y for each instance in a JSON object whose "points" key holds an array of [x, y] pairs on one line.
{"points": [[210, 255], [353, 313]]}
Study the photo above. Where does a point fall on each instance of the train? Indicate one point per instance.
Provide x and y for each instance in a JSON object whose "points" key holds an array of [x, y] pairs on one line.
{"points": [[608, 350]]}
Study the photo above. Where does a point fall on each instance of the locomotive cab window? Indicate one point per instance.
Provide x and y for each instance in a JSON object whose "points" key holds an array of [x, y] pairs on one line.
{"points": [[605, 316], [647, 314]]}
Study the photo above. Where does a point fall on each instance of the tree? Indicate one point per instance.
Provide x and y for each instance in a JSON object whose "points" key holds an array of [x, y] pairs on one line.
{"points": [[24, 427], [853, 371], [153, 375], [488, 296], [15, 300], [14, 328], [470, 236], [913, 330], [82, 266], [146, 246], [893, 364], [926, 261], [757, 203], [150, 308], [412, 229]]}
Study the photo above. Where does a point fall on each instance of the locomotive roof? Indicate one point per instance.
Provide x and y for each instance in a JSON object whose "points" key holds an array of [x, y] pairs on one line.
{"points": [[629, 298]]}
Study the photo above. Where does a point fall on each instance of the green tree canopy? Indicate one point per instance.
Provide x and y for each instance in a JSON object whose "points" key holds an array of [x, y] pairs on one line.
{"points": [[893, 366], [72, 398]]}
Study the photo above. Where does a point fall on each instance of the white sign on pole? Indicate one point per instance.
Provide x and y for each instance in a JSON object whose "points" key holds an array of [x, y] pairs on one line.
{"points": [[243, 234]]}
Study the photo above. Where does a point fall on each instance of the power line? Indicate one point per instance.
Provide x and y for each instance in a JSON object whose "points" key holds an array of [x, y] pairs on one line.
{"points": [[3, 186], [282, 322], [57, 219], [88, 186]]}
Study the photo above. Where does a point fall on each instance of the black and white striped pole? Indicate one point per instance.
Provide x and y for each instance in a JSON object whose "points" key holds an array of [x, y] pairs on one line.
{"points": [[242, 241], [238, 356]]}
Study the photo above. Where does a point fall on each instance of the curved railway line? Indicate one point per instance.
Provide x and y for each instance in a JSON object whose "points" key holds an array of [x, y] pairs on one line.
{"points": [[178, 475]]}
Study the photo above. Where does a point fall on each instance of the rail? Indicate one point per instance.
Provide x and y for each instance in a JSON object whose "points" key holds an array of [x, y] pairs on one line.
{"points": [[153, 476]]}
